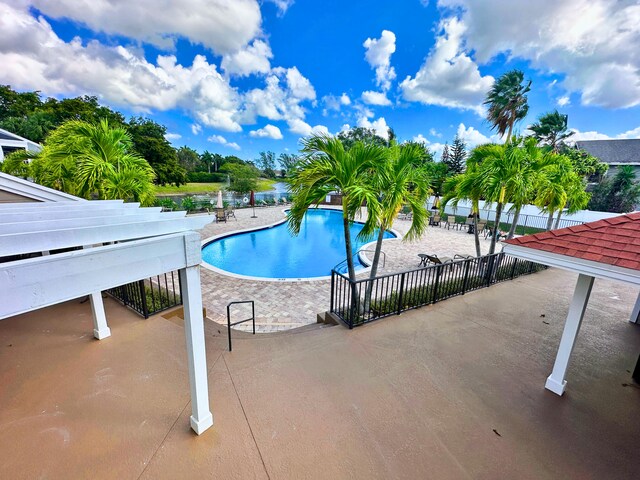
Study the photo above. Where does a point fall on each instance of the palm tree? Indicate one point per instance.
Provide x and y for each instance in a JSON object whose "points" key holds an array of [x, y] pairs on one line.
{"points": [[577, 197], [400, 180], [94, 160], [467, 186], [551, 130], [551, 186], [507, 102], [326, 167]]}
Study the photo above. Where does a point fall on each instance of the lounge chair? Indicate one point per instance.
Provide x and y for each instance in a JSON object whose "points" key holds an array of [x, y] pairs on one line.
{"points": [[425, 260], [434, 221], [230, 213], [220, 215], [405, 214]]}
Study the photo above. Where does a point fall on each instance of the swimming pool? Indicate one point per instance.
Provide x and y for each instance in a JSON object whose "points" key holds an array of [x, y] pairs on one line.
{"points": [[273, 253]]}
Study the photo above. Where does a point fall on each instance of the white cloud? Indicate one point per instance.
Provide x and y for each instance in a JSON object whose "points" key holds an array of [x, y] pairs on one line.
{"points": [[344, 99], [268, 131], [378, 55], [283, 5], [563, 101], [334, 103], [448, 77], [435, 148], [172, 136], [221, 25], [434, 133], [598, 53], [303, 128], [223, 141], [473, 137], [196, 128], [375, 98], [593, 135], [379, 126], [253, 58]]}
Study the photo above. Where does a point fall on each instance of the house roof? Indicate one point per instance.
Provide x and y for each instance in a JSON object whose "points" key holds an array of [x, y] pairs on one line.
{"points": [[10, 139], [611, 241], [613, 152], [34, 191]]}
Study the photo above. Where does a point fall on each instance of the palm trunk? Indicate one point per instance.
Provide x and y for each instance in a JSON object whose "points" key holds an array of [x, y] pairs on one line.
{"points": [[496, 229], [374, 269], [350, 266], [514, 224], [558, 220], [476, 209], [550, 220]]}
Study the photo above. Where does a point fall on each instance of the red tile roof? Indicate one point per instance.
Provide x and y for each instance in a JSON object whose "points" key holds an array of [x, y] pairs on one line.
{"points": [[613, 241]]}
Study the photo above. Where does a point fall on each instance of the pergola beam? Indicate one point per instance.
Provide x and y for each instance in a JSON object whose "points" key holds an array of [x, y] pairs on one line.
{"points": [[635, 313], [67, 204], [68, 213]]}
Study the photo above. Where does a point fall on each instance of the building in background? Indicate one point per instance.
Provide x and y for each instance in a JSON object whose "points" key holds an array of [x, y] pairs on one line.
{"points": [[10, 142]]}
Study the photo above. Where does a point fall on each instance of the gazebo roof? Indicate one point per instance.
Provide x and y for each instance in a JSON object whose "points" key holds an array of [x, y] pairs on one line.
{"points": [[607, 248]]}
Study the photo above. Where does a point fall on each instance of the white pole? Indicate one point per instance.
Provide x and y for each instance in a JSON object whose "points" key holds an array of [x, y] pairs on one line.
{"points": [[201, 418], [100, 328], [635, 313], [556, 381]]}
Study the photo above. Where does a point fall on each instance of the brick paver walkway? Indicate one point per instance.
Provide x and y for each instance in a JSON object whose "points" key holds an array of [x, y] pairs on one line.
{"points": [[286, 305]]}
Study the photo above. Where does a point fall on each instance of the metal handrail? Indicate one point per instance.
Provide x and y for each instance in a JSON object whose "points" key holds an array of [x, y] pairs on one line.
{"points": [[384, 255], [253, 317]]}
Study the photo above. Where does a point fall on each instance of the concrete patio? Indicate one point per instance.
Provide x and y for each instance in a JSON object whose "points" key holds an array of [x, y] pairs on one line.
{"points": [[454, 390]]}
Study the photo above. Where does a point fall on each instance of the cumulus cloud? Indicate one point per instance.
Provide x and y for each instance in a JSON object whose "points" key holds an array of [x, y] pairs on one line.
{"points": [[375, 98], [268, 131], [379, 126], [563, 101], [223, 26], [378, 55], [282, 5], [593, 135], [598, 54], [253, 58], [434, 133], [303, 128], [334, 103], [473, 137], [435, 148], [172, 136], [448, 77], [196, 128], [223, 141], [344, 99]]}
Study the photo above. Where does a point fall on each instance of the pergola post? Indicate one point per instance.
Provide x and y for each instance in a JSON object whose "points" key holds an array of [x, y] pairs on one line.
{"points": [[635, 313], [556, 381], [201, 418], [100, 328]]}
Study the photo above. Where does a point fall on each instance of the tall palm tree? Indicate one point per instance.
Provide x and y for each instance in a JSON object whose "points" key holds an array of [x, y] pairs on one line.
{"points": [[552, 184], [551, 130], [400, 180], [507, 102], [326, 167], [577, 197]]}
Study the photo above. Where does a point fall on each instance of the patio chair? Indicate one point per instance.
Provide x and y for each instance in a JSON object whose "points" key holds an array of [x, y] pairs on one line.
{"points": [[220, 215], [481, 227], [405, 214], [425, 260], [434, 221], [230, 213]]}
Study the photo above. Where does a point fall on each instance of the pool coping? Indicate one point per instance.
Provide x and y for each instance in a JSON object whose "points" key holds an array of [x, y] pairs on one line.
{"points": [[363, 258]]}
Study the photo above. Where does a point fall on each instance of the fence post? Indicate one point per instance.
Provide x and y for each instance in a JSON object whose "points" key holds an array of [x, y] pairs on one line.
{"points": [[524, 228], [401, 293], [333, 282], [513, 269], [143, 299], [466, 275]]}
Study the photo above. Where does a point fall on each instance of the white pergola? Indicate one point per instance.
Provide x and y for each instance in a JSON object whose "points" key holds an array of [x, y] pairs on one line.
{"points": [[587, 270], [120, 243]]}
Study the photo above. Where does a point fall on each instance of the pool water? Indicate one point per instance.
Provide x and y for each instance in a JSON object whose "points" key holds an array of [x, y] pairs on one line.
{"points": [[274, 253]]}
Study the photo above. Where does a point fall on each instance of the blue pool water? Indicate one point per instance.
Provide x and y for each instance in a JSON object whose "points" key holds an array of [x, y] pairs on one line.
{"points": [[274, 253]]}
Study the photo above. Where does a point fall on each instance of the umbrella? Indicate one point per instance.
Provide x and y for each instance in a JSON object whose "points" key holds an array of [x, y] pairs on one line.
{"points": [[252, 199], [220, 204]]}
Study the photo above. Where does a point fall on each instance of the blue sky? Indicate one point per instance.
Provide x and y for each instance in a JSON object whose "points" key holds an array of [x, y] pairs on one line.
{"points": [[244, 76]]}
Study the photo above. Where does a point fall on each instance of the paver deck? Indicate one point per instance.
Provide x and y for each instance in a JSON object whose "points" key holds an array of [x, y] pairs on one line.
{"points": [[449, 391], [292, 304]]}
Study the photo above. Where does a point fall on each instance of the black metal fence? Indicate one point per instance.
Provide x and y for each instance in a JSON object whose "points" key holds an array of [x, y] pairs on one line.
{"points": [[150, 296], [367, 300]]}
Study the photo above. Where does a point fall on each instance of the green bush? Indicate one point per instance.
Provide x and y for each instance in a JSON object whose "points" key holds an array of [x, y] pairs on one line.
{"points": [[188, 204], [159, 299], [166, 203], [204, 177]]}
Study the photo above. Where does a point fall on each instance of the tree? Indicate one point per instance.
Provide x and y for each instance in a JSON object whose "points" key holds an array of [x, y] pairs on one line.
{"points": [[267, 163], [619, 194], [584, 164], [424, 156], [287, 163], [17, 105], [327, 166], [188, 158], [438, 174], [211, 160], [446, 156], [455, 159], [551, 130], [507, 102], [399, 182], [243, 177], [149, 141], [552, 185], [360, 134], [93, 160]]}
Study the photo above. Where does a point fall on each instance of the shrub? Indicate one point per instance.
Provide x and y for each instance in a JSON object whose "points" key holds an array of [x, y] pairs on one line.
{"points": [[166, 203], [188, 204]]}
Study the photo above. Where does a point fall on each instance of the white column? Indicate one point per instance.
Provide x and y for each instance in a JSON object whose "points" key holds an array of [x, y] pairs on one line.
{"points": [[556, 381], [635, 313], [100, 328], [201, 418]]}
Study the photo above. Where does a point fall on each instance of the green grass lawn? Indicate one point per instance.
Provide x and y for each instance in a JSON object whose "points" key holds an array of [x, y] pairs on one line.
{"points": [[204, 188]]}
